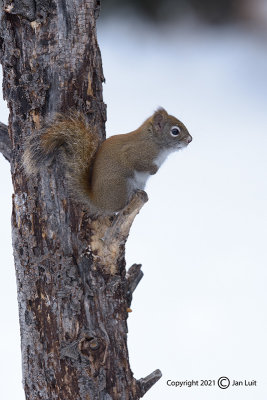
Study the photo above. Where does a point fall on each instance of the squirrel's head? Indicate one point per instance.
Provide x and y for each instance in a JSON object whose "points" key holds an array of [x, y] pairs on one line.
{"points": [[168, 131]]}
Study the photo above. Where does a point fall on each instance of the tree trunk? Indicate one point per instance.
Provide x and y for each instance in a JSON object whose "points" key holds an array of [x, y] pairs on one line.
{"points": [[73, 290]]}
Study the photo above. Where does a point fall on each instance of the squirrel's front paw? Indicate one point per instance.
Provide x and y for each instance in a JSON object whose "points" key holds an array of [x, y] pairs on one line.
{"points": [[141, 194], [154, 169]]}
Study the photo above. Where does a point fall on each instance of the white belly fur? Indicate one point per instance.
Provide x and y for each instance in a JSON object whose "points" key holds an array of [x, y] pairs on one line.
{"points": [[162, 157], [139, 180]]}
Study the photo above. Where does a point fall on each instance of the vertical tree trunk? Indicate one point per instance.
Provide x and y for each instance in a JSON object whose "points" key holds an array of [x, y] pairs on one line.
{"points": [[73, 291]]}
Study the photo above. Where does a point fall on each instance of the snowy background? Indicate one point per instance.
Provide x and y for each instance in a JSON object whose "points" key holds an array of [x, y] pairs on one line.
{"points": [[200, 310]]}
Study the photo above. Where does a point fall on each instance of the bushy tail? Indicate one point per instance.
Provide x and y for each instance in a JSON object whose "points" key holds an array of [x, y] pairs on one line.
{"points": [[69, 139]]}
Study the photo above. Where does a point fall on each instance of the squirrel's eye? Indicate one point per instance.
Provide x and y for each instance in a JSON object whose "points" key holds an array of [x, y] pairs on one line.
{"points": [[175, 130]]}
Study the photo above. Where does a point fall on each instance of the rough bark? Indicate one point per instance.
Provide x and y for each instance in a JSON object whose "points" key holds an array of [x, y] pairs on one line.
{"points": [[73, 291]]}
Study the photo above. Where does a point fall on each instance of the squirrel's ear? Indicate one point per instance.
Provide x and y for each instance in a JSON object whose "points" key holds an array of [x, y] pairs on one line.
{"points": [[159, 118]]}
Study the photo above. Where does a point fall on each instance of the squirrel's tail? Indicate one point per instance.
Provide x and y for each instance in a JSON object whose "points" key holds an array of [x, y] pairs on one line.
{"points": [[69, 139]]}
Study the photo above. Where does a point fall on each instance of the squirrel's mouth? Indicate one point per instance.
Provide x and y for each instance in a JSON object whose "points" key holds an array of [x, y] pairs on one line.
{"points": [[185, 142], [182, 145]]}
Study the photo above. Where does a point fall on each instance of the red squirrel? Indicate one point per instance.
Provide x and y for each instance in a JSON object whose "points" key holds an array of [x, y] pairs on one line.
{"points": [[104, 176]]}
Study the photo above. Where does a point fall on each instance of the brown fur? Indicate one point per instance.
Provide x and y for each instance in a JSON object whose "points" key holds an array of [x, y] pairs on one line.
{"points": [[104, 179]]}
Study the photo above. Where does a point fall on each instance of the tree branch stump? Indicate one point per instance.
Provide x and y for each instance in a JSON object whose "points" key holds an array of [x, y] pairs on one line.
{"points": [[5, 143]]}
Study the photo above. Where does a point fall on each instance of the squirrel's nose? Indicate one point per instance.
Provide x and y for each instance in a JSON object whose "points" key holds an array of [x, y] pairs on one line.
{"points": [[189, 139]]}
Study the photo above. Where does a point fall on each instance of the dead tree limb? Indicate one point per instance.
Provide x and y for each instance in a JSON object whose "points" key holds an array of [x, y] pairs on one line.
{"points": [[5, 143]]}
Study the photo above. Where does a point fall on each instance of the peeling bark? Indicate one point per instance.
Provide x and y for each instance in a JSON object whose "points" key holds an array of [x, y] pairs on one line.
{"points": [[73, 291]]}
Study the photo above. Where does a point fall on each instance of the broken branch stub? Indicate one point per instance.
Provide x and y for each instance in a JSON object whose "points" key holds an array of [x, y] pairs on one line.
{"points": [[145, 384], [5, 142], [109, 234], [133, 276]]}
